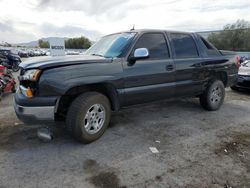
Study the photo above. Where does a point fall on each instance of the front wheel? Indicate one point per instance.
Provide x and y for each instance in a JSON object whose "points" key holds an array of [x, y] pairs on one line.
{"points": [[88, 117], [213, 97]]}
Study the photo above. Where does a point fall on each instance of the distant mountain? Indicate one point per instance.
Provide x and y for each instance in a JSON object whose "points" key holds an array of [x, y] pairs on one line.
{"points": [[35, 43]]}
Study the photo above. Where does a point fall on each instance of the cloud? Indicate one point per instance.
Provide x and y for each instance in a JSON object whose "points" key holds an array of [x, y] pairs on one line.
{"points": [[16, 36], [48, 29], [210, 7], [89, 7], [101, 10], [6, 27], [21, 19]]}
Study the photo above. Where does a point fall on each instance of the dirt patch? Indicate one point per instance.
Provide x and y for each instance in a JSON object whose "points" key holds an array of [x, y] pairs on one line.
{"points": [[212, 184], [8, 119], [91, 165], [238, 148], [158, 178], [17, 137], [106, 180]]}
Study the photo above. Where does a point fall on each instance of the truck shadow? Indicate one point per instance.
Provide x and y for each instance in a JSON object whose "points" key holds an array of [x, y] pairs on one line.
{"points": [[242, 91], [164, 113]]}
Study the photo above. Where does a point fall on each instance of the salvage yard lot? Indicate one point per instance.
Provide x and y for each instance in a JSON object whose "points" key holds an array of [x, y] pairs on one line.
{"points": [[196, 148]]}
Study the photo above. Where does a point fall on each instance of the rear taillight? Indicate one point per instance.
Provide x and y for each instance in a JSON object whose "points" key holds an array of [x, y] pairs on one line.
{"points": [[237, 58]]}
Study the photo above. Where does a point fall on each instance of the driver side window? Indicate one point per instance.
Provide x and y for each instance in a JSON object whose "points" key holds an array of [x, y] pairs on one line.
{"points": [[156, 45]]}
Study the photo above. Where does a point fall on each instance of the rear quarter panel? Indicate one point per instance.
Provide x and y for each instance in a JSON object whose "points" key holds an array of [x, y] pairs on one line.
{"points": [[221, 64]]}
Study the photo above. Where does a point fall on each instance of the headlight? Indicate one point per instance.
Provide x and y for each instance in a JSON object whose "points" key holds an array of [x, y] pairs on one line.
{"points": [[31, 75]]}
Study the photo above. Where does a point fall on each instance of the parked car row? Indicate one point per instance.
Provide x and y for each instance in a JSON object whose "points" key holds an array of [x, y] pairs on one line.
{"points": [[9, 59], [43, 52], [72, 52], [32, 52]]}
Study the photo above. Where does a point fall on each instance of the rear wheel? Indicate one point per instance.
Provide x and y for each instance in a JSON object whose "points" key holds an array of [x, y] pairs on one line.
{"points": [[88, 117], [213, 97]]}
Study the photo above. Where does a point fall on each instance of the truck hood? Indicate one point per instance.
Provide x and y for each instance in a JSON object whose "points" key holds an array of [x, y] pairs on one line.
{"points": [[50, 62]]}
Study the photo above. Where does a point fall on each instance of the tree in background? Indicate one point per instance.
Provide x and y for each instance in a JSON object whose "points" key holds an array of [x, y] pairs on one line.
{"points": [[43, 44], [234, 37], [78, 43]]}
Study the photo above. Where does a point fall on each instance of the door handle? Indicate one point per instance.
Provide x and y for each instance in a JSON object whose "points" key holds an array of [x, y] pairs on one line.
{"points": [[170, 67]]}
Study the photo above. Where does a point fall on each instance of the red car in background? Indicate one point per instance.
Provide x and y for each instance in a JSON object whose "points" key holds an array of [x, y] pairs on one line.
{"points": [[7, 81]]}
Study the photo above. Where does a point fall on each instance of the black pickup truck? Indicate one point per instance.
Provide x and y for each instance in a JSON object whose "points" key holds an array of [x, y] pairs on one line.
{"points": [[120, 70]]}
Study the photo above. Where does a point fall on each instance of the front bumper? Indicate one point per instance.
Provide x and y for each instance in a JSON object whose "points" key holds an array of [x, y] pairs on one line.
{"points": [[243, 81], [36, 111]]}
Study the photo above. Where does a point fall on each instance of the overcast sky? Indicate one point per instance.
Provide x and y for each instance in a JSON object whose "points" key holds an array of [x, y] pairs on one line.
{"points": [[26, 20]]}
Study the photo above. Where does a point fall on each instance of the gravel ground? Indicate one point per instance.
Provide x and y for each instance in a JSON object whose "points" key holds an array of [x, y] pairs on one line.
{"points": [[197, 148]]}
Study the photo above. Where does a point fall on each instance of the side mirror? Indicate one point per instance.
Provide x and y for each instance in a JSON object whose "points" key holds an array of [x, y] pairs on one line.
{"points": [[139, 53]]}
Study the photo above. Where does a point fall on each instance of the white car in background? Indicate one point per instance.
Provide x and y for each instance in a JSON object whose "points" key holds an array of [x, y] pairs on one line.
{"points": [[243, 80]]}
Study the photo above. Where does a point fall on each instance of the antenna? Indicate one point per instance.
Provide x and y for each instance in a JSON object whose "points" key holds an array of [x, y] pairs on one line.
{"points": [[133, 28]]}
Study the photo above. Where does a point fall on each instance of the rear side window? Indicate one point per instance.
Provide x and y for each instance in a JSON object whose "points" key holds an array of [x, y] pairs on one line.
{"points": [[184, 45], [209, 48], [155, 43]]}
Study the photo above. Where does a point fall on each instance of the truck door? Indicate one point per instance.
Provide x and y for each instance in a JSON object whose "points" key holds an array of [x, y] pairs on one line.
{"points": [[189, 74], [152, 78]]}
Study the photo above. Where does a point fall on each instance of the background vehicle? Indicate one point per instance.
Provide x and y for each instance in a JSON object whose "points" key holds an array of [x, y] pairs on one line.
{"points": [[13, 59], [23, 53], [243, 80], [120, 70], [7, 81], [71, 52], [3, 59]]}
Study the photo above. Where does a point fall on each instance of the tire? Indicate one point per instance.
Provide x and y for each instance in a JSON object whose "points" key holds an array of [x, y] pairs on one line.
{"points": [[80, 121], [214, 95]]}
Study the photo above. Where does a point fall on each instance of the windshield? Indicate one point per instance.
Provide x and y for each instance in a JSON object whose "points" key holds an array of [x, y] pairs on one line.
{"points": [[111, 45], [246, 64]]}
